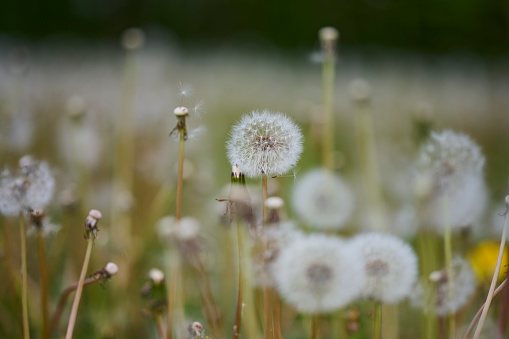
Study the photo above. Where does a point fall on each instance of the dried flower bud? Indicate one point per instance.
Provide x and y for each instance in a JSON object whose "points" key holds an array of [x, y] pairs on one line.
{"points": [[181, 111], [111, 268], [328, 39], [91, 222], [274, 203], [156, 276], [194, 329], [36, 217], [360, 90], [437, 276], [75, 106]]}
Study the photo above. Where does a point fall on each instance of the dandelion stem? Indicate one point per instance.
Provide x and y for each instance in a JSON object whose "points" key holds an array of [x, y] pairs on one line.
{"points": [[264, 197], [238, 311], [314, 326], [160, 328], [493, 281], [328, 71], [43, 273], [55, 319], [504, 312], [377, 321], [478, 314], [180, 179], [79, 290], [24, 276], [451, 319], [267, 300]]}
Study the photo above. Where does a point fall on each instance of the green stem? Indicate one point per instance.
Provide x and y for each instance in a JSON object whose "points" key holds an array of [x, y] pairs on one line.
{"points": [[238, 311], [267, 300], [328, 71], [377, 321], [451, 319], [314, 326], [43, 273], [493, 281], [160, 328], [24, 276], [79, 290], [180, 179]]}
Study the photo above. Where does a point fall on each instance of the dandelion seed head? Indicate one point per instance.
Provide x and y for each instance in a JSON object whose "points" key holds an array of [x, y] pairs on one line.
{"points": [[133, 38], [318, 274], [181, 111], [265, 143], [360, 90], [450, 170], [323, 200], [390, 266], [274, 203]]}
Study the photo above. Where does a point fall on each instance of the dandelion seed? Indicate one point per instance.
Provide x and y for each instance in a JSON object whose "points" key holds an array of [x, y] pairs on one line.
{"points": [[260, 151], [318, 274], [199, 108], [390, 266], [323, 200], [185, 90]]}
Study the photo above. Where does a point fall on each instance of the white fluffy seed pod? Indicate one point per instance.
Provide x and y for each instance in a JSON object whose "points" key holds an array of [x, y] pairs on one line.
{"points": [[156, 276], [318, 274], [264, 143], [323, 200], [450, 173], [390, 266]]}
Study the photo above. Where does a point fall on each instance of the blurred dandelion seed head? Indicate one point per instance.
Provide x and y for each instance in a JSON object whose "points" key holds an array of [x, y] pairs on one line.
{"points": [[390, 266], [323, 200], [318, 273], [265, 143]]}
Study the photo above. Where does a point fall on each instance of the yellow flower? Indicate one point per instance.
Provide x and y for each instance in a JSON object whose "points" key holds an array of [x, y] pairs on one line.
{"points": [[483, 259]]}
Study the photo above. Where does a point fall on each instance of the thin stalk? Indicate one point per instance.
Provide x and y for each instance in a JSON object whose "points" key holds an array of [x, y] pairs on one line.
{"points": [[160, 328], [377, 321], [314, 326], [24, 276], [175, 270], [504, 312], [276, 302], [180, 179], [55, 319], [493, 281], [267, 300], [238, 310], [328, 71], [451, 319], [43, 273], [79, 290], [478, 314]]}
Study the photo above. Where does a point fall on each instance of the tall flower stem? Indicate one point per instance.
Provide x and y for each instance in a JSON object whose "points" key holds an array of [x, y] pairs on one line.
{"points": [[24, 276], [43, 273], [55, 318], [495, 277], [238, 310], [79, 290], [451, 318], [160, 328], [314, 326], [328, 74], [504, 312], [377, 321], [267, 300], [175, 270]]}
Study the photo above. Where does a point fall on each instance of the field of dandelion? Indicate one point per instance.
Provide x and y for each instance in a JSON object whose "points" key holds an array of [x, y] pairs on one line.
{"points": [[388, 224]]}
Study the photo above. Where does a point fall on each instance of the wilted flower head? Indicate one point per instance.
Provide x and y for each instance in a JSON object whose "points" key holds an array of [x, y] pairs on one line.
{"points": [[390, 266], [39, 223], [323, 200], [32, 188], [264, 143], [450, 172], [318, 274]]}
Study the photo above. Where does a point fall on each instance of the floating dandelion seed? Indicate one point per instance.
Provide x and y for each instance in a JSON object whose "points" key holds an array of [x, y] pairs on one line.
{"points": [[185, 90], [450, 168], [390, 266], [318, 274], [265, 143], [323, 200]]}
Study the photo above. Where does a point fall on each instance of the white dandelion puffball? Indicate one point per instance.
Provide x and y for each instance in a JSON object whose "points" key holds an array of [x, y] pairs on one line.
{"points": [[264, 143], [318, 274], [451, 297], [450, 173], [323, 200], [389, 264]]}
